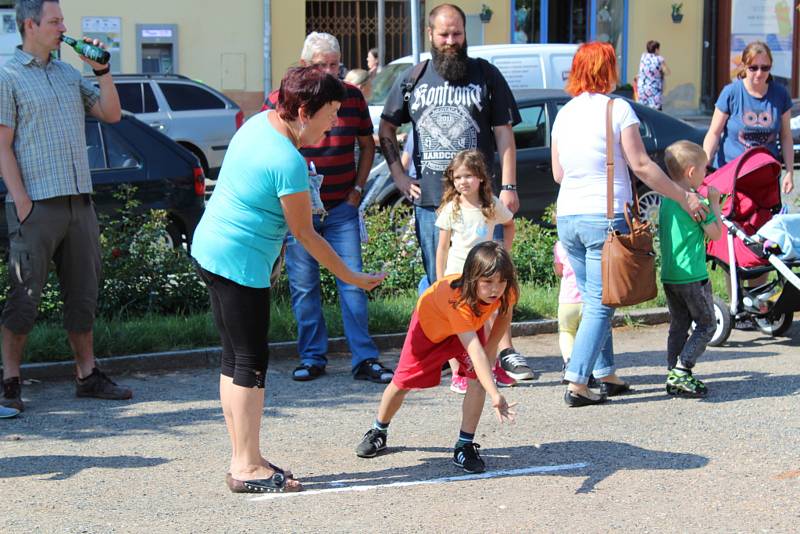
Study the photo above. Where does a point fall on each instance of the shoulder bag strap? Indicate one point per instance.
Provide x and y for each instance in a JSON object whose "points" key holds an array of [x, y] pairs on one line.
{"points": [[609, 162]]}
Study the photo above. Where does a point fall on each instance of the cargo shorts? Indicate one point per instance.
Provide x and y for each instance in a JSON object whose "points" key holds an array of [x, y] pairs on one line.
{"points": [[63, 230]]}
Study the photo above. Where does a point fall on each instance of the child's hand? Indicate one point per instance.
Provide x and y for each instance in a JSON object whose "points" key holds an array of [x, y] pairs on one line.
{"points": [[503, 409], [713, 194]]}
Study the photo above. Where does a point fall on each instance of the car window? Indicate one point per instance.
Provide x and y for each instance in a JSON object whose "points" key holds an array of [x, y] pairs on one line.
{"points": [[150, 103], [130, 96], [532, 131], [185, 97], [119, 153], [94, 146]]}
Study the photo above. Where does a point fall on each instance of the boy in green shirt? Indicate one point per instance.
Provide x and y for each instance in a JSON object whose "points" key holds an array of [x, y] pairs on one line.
{"points": [[683, 269]]}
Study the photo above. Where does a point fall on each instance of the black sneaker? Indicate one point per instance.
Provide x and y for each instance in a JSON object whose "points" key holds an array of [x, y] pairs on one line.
{"points": [[515, 365], [99, 386], [373, 442], [374, 371], [468, 458], [305, 372], [12, 394]]}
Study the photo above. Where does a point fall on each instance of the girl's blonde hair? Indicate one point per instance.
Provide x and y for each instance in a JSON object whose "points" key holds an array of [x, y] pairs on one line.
{"points": [[749, 53], [473, 160], [483, 261]]}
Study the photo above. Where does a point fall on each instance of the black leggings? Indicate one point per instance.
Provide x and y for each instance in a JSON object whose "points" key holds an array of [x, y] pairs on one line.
{"points": [[241, 314]]}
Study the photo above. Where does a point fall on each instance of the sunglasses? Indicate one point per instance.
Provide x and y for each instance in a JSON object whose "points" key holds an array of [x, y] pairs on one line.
{"points": [[762, 68]]}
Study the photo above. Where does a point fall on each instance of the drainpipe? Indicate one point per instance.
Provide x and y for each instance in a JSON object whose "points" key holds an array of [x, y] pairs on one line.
{"points": [[267, 49], [415, 31], [381, 32]]}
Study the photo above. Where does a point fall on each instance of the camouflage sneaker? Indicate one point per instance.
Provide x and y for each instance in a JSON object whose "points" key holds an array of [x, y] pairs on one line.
{"points": [[685, 385], [12, 394], [99, 386]]}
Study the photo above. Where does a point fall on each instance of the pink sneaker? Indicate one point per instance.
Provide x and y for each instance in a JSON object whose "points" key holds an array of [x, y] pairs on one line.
{"points": [[458, 384], [501, 378]]}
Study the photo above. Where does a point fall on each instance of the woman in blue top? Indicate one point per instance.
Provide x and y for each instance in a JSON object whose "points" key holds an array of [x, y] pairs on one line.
{"points": [[261, 192], [751, 111]]}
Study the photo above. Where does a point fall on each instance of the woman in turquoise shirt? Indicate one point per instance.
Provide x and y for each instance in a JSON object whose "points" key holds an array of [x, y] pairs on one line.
{"points": [[262, 192]]}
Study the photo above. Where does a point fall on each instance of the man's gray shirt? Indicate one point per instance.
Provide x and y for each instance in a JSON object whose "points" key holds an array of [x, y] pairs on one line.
{"points": [[46, 105]]}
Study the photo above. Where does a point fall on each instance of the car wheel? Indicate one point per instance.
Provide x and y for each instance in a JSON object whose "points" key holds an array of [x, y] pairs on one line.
{"points": [[649, 203], [173, 237]]}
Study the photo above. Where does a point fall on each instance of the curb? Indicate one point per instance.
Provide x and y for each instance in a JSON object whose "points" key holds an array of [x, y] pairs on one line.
{"points": [[210, 356]]}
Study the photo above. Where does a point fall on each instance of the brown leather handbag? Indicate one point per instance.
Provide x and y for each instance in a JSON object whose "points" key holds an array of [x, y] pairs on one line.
{"points": [[628, 260]]}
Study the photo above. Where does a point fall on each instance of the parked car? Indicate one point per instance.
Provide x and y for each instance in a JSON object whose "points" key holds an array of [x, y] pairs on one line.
{"points": [[524, 66], [166, 175], [535, 184], [196, 116]]}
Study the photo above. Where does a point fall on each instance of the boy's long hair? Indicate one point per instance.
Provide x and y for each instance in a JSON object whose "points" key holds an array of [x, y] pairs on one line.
{"points": [[473, 160], [483, 261]]}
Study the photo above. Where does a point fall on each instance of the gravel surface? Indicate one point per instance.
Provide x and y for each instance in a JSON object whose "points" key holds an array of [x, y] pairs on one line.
{"points": [[653, 463]]}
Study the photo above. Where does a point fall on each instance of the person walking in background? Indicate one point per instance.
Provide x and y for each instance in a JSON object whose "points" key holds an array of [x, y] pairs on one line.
{"points": [[467, 216], [579, 164], [474, 109], [343, 181], [45, 167], [373, 63], [360, 78], [683, 269], [263, 187], [451, 318], [569, 302], [650, 81], [751, 111]]}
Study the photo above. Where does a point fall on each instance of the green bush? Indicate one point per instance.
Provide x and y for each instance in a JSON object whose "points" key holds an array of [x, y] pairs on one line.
{"points": [[533, 253], [141, 272]]}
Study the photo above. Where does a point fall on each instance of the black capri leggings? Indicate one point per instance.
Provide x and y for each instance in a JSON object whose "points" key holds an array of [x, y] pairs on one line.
{"points": [[241, 314]]}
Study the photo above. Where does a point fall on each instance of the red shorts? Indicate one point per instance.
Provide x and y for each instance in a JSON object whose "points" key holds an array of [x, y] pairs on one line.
{"points": [[421, 359]]}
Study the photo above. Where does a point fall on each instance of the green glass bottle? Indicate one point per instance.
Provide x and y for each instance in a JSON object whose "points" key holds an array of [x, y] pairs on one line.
{"points": [[95, 53]]}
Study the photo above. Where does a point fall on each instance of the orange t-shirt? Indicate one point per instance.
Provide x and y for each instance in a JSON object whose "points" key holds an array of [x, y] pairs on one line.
{"points": [[440, 320]]}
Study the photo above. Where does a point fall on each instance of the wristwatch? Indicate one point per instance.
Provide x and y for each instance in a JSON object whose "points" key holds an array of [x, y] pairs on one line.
{"points": [[359, 189], [508, 187]]}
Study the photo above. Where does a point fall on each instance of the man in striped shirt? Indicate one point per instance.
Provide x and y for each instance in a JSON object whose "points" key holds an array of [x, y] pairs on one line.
{"points": [[341, 190]]}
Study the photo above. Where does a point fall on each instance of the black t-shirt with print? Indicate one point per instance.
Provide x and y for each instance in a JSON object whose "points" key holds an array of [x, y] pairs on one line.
{"points": [[449, 118]]}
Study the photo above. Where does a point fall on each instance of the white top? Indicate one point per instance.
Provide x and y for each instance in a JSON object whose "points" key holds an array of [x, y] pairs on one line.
{"points": [[580, 130], [569, 292], [467, 230], [408, 148]]}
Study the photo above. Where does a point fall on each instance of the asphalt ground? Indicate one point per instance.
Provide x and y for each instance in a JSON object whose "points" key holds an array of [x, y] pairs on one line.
{"points": [[644, 462]]}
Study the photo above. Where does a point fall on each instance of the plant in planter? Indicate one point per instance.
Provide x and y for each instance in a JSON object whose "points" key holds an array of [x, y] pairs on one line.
{"points": [[677, 16], [486, 13]]}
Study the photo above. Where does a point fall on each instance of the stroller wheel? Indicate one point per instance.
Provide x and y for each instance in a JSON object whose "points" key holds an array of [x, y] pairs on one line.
{"points": [[775, 325], [724, 323]]}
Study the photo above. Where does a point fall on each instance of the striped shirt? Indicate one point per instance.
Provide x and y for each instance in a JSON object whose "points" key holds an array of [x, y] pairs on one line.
{"points": [[334, 156], [45, 105]]}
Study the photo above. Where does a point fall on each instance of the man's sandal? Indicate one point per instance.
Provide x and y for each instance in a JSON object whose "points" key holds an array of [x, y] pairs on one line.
{"points": [[274, 484]]}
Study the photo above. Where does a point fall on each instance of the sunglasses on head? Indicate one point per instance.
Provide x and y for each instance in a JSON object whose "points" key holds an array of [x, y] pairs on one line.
{"points": [[762, 68]]}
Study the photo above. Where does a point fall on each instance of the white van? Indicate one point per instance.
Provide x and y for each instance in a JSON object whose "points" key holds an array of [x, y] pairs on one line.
{"points": [[524, 66]]}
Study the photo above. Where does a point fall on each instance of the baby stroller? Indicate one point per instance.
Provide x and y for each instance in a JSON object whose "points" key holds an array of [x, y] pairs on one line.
{"points": [[751, 187]]}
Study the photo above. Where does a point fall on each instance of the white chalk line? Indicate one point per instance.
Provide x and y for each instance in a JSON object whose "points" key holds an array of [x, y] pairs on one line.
{"points": [[443, 480]]}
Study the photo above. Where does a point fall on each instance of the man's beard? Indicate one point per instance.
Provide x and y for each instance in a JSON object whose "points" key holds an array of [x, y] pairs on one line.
{"points": [[451, 64]]}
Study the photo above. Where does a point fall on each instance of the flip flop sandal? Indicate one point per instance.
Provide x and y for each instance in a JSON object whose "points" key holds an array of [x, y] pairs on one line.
{"points": [[274, 484], [287, 474]]}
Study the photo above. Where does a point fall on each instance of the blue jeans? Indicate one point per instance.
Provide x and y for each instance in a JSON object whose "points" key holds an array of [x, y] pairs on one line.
{"points": [[583, 237], [428, 239], [339, 228]]}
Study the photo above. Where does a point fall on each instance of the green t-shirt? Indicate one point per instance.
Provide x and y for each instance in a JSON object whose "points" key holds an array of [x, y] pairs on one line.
{"points": [[683, 250]]}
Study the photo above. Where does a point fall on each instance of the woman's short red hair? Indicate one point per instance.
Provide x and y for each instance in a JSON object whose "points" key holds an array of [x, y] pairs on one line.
{"points": [[594, 69]]}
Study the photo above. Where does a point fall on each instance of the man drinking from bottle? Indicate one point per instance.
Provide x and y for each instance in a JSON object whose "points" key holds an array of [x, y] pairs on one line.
{"points": [[43, 161]]}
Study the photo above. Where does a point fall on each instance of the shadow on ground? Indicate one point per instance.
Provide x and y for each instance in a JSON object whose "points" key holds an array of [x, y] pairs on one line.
{"points": [[64, 467], [604, 458]]}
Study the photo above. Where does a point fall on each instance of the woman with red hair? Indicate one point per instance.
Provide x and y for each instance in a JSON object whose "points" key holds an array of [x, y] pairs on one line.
{"points": [[579, 165]]}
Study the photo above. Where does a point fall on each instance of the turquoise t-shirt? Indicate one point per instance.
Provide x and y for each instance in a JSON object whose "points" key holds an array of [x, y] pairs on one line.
{"points": [[683, 249], [241, 232]]}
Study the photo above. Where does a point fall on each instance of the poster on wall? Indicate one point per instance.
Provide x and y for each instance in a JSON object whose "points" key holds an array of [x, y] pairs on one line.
{"points": [[771, 21]]}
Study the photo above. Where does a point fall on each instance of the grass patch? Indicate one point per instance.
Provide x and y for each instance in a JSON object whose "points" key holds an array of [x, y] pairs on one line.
{"points": [[154, 333]]}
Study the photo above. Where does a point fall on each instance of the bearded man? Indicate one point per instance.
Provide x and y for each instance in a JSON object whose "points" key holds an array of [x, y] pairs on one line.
{"points": [[455, 103]]}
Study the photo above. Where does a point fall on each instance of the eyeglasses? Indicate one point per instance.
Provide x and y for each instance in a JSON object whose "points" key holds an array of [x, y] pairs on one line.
{"points": [[762, 68]]}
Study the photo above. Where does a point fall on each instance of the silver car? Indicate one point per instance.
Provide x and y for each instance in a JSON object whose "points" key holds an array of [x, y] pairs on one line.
{"points": [[196, 116]]}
